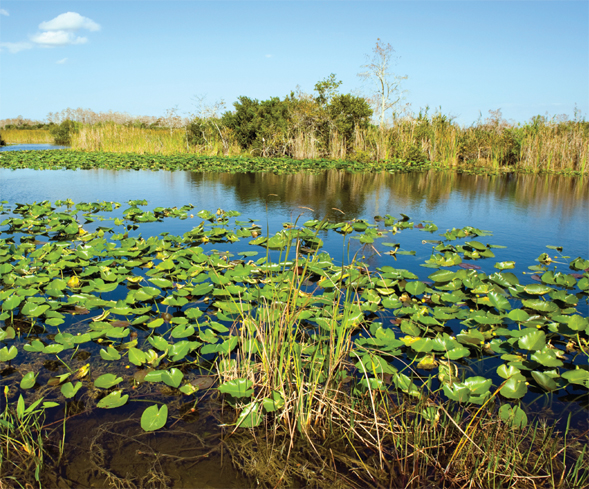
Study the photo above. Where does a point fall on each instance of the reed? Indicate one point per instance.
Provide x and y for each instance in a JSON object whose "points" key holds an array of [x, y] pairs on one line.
{"points": [[27, 136], [325, 396]]}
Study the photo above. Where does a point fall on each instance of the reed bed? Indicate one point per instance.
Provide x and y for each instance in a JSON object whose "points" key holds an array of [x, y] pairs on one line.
{"points": [[550, 145], [27, 136]]}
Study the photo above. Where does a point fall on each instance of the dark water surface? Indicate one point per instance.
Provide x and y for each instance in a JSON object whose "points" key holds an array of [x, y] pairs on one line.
{"points": [[524, 212]]}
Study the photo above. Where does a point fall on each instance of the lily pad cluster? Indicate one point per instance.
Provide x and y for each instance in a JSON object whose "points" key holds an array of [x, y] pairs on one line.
{"points": [[118, 311], [73, 160]]}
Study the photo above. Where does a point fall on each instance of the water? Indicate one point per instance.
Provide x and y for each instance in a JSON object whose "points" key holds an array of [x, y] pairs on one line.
{"points": [[31, 147], [524, 212]]}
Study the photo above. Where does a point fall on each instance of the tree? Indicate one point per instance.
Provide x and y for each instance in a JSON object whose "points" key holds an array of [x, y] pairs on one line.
{"points": [[387, 92]]}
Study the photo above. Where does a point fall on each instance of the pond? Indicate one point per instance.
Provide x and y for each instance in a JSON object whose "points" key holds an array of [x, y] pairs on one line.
{"points": [[523, 213]]}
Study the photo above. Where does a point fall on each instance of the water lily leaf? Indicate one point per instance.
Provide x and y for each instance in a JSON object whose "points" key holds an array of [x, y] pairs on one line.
{"points": [[10, 303], [251, 416], [577, 376], [518, 315], [534, 340], [69, 390], [106, 381], [159, 342], [504, 265], [415, 288], [457, 392], [540, 305], [514, 388], [35, 346], [478, 385], [578, 323], [172, 377], [113, 400], [153, 418], [498, 301], [28, 380], [546, 357], [237, 388], [442, 276], [537, 289], [161, 283], [405, 384], [457, 353], [544, 381], [110, 354], [514, 416], [137, 357], [53, 349]]}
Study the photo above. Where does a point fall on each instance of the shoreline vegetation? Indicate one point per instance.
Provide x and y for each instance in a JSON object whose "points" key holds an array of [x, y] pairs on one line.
{"points": [[336, 128]]}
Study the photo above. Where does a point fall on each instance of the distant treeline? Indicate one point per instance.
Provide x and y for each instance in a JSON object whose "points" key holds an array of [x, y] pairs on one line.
{"points": [[326, 124]]}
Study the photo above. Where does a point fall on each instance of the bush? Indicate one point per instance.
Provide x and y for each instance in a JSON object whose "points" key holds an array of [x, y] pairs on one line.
{"points": [[62, 133]]}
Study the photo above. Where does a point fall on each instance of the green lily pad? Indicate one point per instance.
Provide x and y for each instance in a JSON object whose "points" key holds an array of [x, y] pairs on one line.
{"points": [[106, 381], [514, 416], [113, 400], [154, 418]]}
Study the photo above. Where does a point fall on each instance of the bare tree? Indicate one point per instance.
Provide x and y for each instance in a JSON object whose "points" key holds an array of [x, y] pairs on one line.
{"points": [[387, 86]]}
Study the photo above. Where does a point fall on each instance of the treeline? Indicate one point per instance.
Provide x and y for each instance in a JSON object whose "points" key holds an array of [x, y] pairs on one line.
{"points": [[328, 124]]}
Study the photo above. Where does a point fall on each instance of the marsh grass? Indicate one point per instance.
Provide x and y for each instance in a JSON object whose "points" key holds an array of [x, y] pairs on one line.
{"points": [[27, 136], [542, 144], [332, 421]]}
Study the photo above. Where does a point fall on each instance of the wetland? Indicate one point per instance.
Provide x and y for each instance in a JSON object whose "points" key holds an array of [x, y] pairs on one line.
{"points": [[230, 328]]}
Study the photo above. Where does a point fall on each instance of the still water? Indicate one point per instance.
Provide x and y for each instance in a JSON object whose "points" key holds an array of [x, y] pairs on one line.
{"points": [[31, 147], [524, 212]]}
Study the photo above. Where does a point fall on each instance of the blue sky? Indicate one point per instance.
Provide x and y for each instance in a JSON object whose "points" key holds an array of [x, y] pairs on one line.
{"points": [[143, 57]]}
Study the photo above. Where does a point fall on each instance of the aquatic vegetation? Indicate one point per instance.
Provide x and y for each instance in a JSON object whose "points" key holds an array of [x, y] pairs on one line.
{"points": [[288, 335], [64, 159]]}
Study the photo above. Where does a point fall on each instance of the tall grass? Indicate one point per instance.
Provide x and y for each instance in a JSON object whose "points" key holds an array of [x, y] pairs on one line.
{"points": [[27, 136], [327, 400]]}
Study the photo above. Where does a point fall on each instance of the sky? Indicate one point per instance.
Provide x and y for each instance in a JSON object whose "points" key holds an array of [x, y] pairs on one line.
{"points": [[464, 58]]}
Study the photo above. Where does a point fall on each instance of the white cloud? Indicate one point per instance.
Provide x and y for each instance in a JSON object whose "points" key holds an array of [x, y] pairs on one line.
{"points": [[70, 21], [61, 61], [15, 47], [50, 39], [3, 12]]}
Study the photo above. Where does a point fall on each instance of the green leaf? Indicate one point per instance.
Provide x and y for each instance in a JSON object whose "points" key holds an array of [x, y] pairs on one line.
{"points": [[514, 416], [68, 390], [137, 357], [514, 388], [153, 418], [110, 354], [578, 323], [113, 400], [535, 340], [7, 354], [537, 289], [28, 380], [237, 388], [106, 381], [544, 381], [172, 377], [498, 301], [415, 288], [577, 376], [505, 265]]}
